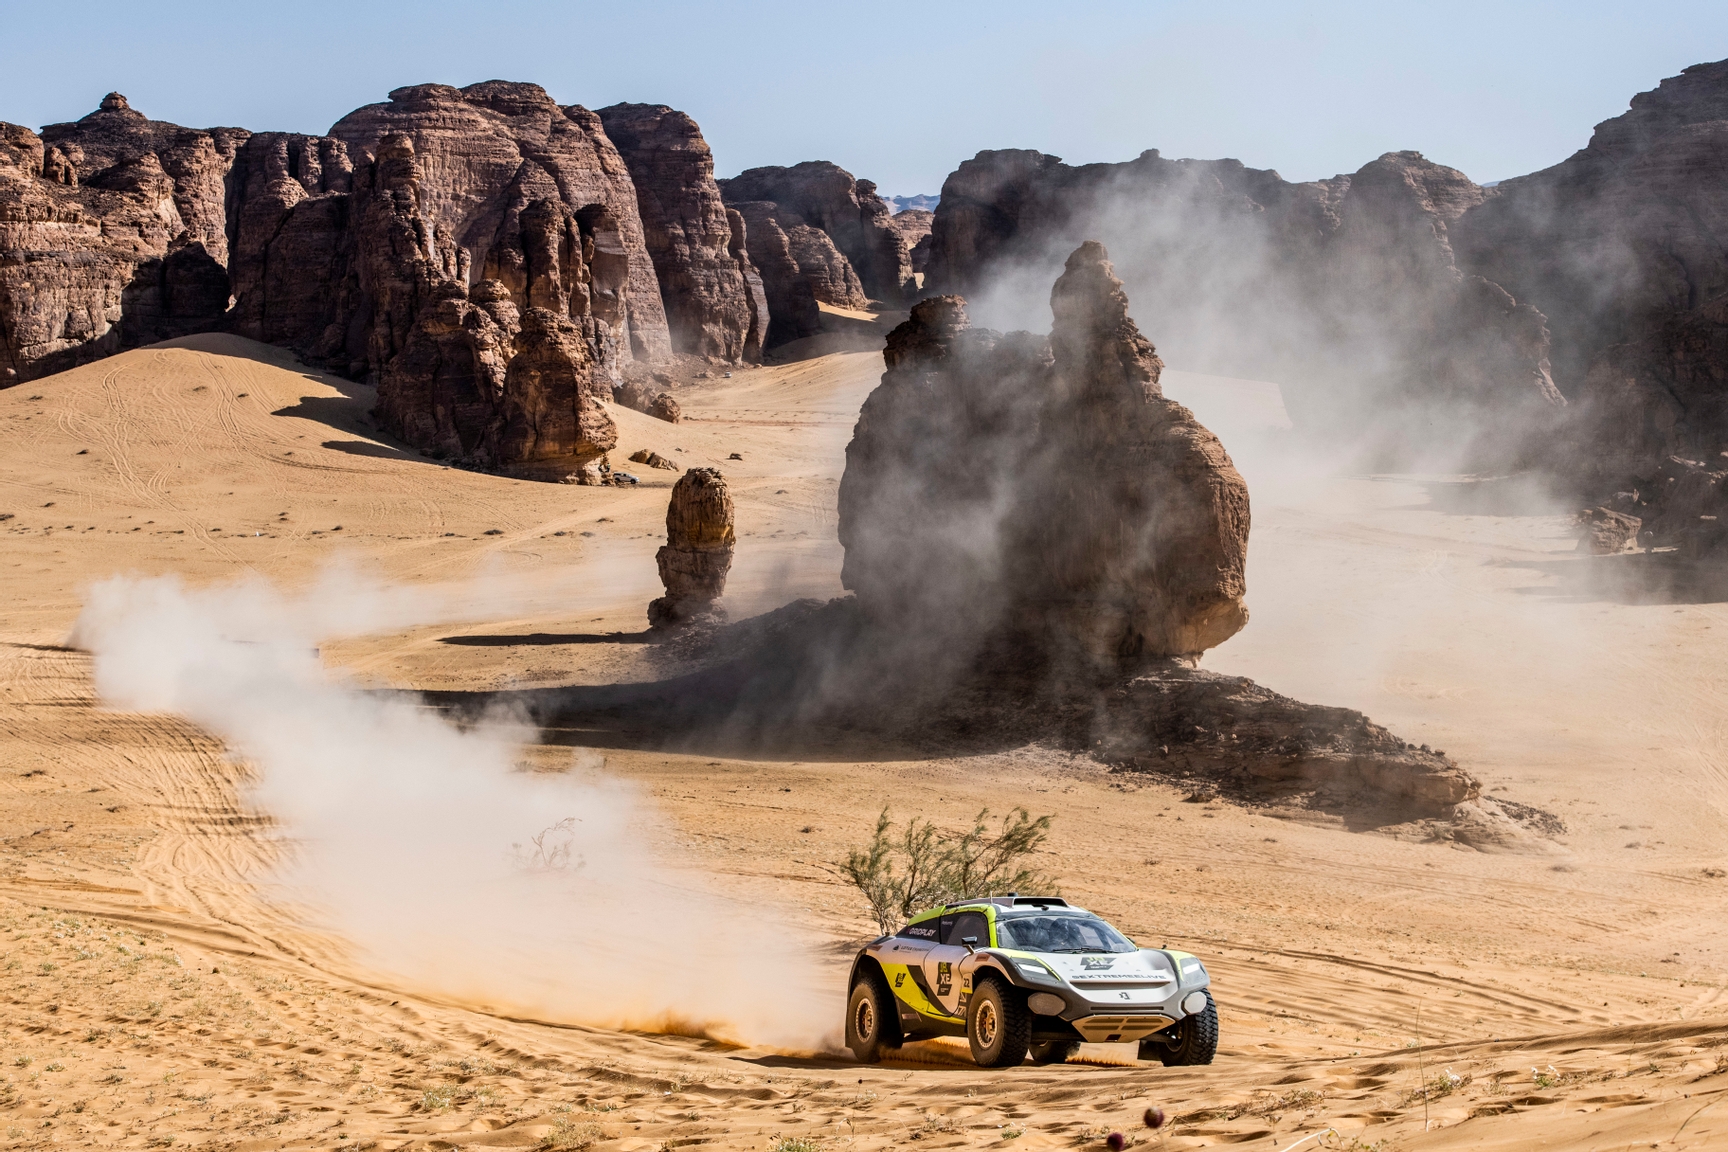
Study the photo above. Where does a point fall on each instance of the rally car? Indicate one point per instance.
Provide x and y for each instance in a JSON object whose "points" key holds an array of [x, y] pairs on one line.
{"points": [[1027, 975]]}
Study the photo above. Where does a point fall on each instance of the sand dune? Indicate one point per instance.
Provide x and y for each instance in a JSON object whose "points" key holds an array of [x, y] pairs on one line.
{"points": [[159, 984]]}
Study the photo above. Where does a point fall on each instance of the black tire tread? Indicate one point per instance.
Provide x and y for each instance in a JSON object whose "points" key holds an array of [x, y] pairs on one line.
{"points": [[887, 1019], [1016, 1022], [1199, 1041]]}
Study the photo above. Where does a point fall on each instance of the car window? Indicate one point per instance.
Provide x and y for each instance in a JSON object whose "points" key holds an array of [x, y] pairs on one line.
{"points": [[1061, 934], [924, 930], [966, 924]]}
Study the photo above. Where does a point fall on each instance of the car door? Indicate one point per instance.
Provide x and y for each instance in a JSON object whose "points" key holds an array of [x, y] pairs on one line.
{"points": [[942, 964], [902, 960]]}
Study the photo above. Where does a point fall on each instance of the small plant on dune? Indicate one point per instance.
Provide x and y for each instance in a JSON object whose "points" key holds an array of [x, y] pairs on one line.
{"points": [[1436, 1088], [900, 874], [795, 1144], [569, 1136], [436, 1098]]}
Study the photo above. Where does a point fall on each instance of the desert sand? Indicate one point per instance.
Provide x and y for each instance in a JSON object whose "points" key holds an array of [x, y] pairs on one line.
{"points": [[159, 990]]}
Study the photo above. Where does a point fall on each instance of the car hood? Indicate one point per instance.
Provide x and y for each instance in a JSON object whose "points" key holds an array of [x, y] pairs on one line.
{"points": [[1110, 969]]}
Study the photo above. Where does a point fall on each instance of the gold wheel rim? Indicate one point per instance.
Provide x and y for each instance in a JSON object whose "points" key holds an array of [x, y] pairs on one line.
{"points": [[866, 1022], [986, 1024]]}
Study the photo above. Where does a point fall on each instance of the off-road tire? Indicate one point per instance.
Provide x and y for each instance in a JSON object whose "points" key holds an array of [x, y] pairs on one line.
{"points": [[998, 1024], [1196, 1040], [872, 1020], [1054, 1051]]}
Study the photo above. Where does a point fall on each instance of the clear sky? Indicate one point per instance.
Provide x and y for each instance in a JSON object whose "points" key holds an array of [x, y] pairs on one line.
{"points": [[901, 93]]}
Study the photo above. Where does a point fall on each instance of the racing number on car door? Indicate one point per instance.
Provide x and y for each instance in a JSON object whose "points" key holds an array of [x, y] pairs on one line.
{"points": [[942, 963]]}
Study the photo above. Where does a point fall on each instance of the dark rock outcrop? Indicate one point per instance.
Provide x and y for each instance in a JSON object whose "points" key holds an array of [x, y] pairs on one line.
{"points": [[714, 302], [800, 268], [1008, 483], [1603, 531], [1346, 291], [119, 148], [699, 541], [509, 177], [1624, 246], [94, 262], [848, 210], [913, 226]]}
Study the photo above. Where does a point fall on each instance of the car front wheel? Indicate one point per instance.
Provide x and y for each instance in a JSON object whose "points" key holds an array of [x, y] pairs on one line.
{"points": [[872, 1025], [1196, 1040], [998, 1024]]}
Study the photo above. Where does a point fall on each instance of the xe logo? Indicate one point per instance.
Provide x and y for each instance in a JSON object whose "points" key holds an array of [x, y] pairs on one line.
{"points": [[1096, 963], [899, 979]]}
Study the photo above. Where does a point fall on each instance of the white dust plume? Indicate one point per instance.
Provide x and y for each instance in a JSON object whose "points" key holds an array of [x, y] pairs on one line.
{"points": [[450, 868]]}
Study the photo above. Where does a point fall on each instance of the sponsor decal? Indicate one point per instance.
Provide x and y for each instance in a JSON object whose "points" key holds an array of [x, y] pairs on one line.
{"points": [[899, 979], [1096, 963], [944, 978]]}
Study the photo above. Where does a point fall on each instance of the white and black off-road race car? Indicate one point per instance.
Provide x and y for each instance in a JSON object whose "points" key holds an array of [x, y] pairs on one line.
{"points": [[1019, 975]]}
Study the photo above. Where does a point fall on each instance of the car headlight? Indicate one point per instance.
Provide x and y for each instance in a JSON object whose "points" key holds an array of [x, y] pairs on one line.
{"points": [[1033, 970]]}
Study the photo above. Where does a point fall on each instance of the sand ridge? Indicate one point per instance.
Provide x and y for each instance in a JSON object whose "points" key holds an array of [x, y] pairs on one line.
{"points": [[157, 986]]}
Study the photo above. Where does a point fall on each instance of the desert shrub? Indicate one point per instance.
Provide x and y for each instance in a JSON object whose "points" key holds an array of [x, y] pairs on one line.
{"points": [[919, 866]]}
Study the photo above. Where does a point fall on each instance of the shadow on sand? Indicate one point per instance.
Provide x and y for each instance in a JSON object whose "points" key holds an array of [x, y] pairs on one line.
{"points": [[1631, 578]]}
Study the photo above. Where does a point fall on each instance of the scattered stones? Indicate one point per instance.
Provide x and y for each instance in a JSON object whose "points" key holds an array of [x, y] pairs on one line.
{"points": [[699, 542], [1604, 532], [652, 459]]}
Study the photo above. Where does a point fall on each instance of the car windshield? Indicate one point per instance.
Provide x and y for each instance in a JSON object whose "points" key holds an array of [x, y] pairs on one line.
{"points": [[1054, 933]]}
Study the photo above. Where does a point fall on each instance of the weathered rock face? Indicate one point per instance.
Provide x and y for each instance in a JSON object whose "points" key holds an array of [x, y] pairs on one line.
{"points": [[913, 226], [699, 541], [1043, 487], [714, 302], [119, 148], [89, 269], [800, 268], [1346, 291], [1621, 245], [490, 153], [848, 210]]}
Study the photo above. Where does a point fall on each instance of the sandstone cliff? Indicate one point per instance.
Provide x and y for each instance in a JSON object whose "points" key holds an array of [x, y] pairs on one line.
{"points": [[1345, 291], [1042, 487], [715, 301], [1624, 246], [101, 258], [497, 152], [848, 210]]}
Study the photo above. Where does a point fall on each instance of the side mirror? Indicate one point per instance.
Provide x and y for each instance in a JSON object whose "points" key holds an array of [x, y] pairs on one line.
{"points": [[971, 943]]}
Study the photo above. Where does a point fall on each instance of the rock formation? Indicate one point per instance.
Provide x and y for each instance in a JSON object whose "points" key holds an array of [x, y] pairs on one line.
{"points": [[120, 148], [913, 227], [1042, 486], [1346, 291], [698, 552], [714, 298], [500, 160], [97, 258], [1622, 247], [800, 269], [848, 210]]}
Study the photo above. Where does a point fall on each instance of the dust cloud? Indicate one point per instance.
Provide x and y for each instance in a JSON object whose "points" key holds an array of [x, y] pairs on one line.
{"points": [[447, 863]]}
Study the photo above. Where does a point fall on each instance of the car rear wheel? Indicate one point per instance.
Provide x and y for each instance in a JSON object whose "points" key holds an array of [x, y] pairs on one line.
{"points": [[1196, 1040], [872, 1025], [1054, 1052], [998, 1024]]}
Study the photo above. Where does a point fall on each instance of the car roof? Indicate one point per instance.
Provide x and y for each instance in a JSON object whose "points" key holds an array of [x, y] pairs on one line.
{"points": [[998, 904]]}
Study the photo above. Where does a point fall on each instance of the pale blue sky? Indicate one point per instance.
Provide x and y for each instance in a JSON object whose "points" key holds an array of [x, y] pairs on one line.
{"points": [[901, 93]]}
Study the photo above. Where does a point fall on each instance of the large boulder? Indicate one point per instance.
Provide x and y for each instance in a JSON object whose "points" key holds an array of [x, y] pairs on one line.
{"points": [[848, 210], [700, 538], [714, 302], [1042, 487]]}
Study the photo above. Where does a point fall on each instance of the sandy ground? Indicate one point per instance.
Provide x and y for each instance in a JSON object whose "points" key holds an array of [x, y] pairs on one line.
{"points": [[1407, 995]]}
